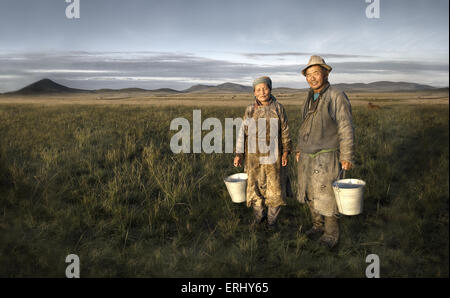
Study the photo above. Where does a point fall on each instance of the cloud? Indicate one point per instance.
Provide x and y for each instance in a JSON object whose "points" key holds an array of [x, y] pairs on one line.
{"points": [[68, 71], [151, 70], [390, 66], [285, 54]]}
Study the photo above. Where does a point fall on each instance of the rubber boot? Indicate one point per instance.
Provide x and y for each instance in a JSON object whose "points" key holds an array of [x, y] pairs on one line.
{"points": [[318, 224], [258, 215], [272, 215], [331, 235]]}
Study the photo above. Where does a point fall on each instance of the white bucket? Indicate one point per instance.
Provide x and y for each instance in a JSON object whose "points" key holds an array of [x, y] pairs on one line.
{"points": [[349, 195], [237, 187]]}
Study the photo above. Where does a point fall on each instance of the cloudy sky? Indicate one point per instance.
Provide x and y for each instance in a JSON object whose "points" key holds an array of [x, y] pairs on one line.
{"points": [[179, 43]]}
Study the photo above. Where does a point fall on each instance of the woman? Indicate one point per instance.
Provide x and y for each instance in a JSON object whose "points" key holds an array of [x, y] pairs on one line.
{"points": [[267, 177]]}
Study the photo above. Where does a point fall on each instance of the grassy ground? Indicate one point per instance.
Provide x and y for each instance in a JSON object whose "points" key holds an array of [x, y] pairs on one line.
{"points": [[102, 183]]}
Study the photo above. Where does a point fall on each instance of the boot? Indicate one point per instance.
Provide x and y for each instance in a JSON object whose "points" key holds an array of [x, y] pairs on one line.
{"points": [[258, 215], [330, 236], [272, 215], [318, 225]]}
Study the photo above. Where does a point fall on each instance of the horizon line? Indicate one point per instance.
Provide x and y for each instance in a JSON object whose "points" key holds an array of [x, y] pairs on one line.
{"points": [[206, 85]]}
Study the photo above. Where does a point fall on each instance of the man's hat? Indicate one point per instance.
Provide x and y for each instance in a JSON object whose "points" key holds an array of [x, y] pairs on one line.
{"points": [[316, 60]]}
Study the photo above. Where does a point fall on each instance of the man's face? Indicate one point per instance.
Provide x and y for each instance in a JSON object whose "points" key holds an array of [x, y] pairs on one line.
{"points": [[316, 77], [262, 92]]}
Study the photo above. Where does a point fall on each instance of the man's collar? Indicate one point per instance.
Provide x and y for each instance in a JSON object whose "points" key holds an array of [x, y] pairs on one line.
{"points": [[326, 86]]}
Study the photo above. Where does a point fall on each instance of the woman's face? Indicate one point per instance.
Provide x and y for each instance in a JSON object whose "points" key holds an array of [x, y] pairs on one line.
{"points": [[262, 92]]}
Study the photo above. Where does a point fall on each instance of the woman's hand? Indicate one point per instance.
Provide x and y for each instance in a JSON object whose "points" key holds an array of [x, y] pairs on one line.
{"points": [[284, 159], [237, 161], [297, 156], [346, 165]]}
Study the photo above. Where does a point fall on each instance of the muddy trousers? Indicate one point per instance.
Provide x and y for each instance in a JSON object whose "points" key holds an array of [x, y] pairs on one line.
{"points": [[272, 214], [329, 224]]}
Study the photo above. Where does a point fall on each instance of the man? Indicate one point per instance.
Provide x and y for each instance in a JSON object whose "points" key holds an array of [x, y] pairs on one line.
{"points": [[325, 146]]}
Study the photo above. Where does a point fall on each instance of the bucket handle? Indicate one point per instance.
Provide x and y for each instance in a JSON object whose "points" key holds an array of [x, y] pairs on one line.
{"points": [[339, 175], [337, 185]]}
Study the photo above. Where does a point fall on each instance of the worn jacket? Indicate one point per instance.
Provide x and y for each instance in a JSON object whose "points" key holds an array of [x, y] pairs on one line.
{"points": [[327, 126], [266, 184]]}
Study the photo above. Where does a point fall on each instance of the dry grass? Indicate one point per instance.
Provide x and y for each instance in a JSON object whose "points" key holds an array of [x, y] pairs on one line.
{"points": [[219, 99], [100, 181]]}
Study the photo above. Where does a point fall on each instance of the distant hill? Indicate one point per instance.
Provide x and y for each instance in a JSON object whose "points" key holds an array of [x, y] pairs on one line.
{"points": [[166, 90], [380, 86], [131, 90], [287, 90], [383, 86], [122, 90], [197, 88], [234, 87], [444, 89], [226, 87], [136, 90], [45, 86]]}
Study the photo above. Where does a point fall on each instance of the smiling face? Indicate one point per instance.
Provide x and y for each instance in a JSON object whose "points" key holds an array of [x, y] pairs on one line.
{"points": [[316, 77], [262, 92]]}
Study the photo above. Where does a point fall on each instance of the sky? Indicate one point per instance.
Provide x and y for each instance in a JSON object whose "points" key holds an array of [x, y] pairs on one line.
{"points": [[180, 43]]}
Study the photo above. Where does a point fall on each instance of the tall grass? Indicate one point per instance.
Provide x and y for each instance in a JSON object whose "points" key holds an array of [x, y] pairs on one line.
{"points": [[101, 182]]}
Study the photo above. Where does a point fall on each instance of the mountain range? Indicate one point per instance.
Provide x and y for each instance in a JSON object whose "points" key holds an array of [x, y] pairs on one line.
{"points": [[47, 86]]}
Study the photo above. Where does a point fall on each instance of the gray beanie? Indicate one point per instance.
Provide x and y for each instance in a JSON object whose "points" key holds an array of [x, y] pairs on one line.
{"points": [[265, 80]]}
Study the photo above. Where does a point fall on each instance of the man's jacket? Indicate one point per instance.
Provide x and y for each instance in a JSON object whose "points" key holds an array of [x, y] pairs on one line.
{"points": [[327, 124]]}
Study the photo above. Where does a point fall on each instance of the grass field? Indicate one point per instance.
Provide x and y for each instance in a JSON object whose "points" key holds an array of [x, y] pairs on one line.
{"points": [[101, 182]]}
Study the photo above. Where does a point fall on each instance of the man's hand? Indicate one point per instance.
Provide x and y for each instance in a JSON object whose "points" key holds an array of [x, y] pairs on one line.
{"points": [[237, 161], [284, 159], [346, 165], [297, 156]]}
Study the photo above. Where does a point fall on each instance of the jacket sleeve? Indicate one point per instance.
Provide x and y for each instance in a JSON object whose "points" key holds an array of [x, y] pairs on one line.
{"points": [[286, 144], [242, 135], [343, 117], [298, 147]]}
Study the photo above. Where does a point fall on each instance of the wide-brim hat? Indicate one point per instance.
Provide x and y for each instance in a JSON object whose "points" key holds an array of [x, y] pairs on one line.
{"points": [[316, 60]]}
